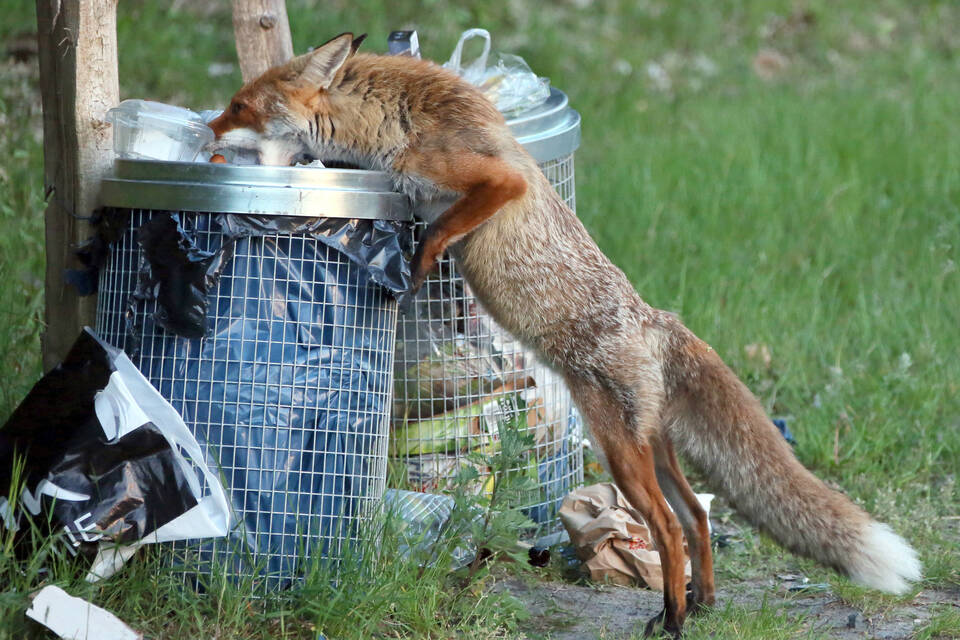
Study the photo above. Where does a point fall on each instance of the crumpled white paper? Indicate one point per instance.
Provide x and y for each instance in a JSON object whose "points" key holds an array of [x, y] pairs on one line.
{"points": [[74, 618]]}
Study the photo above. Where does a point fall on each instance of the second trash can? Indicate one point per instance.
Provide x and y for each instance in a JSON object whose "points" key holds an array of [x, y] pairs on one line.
{"points": [[283, 367], [460, 377]]}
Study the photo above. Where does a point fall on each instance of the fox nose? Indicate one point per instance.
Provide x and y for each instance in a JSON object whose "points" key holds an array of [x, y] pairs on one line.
{"points": [[219, 125]]}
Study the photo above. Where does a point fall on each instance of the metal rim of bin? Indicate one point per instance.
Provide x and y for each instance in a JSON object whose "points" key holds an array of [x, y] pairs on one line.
{"points": [[186, 189], [288, 191], [551, 134], [550, 131]]}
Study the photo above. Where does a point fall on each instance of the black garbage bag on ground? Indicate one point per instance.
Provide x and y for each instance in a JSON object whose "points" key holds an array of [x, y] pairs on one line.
{"points": [[94, 452]]}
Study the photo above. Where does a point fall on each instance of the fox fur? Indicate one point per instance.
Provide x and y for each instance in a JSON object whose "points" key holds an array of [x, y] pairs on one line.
{"points": [[644, 383]]}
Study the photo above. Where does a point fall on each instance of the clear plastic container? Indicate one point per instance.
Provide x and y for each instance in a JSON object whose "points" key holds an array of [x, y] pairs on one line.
{"points": [[152, 130], [208, 115]]}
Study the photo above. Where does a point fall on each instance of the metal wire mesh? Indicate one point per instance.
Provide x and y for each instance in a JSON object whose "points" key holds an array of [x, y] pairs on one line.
{"points": [[290, 393], [459, 377]]}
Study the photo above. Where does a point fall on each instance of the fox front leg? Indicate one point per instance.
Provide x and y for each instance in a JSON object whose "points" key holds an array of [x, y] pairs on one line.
{"points": [[487, 184]]}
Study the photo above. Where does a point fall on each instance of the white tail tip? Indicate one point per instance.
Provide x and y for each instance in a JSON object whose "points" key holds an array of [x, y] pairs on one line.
{"points": [[885, 561]]}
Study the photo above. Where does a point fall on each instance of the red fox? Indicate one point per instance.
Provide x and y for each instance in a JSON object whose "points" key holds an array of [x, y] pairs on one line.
{"points": [[643, 381]]}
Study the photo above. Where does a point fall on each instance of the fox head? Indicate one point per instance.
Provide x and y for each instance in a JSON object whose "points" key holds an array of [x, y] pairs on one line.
{"points": [[284, 113]]}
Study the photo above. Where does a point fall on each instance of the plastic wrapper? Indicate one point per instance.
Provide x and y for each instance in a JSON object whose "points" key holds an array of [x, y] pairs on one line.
{"points": [[289, 389], [506, 80], [456, 369], [178, 274], [437, 472], [424, 518], [106, 461], [476, 425], [76, 619]]}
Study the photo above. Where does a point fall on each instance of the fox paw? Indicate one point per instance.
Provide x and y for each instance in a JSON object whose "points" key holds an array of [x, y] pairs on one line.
{"points": [[694, 606], [417, 279], [422, 267], [654, 630]]}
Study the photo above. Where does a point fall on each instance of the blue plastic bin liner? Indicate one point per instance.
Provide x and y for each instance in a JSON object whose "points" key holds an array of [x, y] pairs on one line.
{"points": [[290, 388], [379, 247], [554, 473]]}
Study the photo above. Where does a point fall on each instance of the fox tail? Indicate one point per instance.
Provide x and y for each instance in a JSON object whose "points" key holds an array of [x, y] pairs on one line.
{"points": [[722, 428]]}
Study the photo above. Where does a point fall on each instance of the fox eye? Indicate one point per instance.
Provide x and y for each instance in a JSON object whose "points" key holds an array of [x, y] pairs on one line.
{"points": [[237, 107]]}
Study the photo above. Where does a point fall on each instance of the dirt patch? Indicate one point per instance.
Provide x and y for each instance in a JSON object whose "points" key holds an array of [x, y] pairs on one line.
{"points": [[563, 611], [567, 611]]}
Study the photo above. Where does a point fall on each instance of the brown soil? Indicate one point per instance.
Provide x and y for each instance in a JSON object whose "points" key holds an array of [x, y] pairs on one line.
{"points": [[563, 611]]}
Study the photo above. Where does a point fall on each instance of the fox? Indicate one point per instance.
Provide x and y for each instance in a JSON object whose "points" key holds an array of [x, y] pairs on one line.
{"points": [[645, 385]]}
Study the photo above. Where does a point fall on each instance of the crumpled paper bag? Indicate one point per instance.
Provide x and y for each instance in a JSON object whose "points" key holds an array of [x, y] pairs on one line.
{"points": [[611, 538]]}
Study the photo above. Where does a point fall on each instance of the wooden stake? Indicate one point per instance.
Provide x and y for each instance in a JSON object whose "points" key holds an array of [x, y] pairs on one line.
{"points": [[78, 82], [262, 32]]}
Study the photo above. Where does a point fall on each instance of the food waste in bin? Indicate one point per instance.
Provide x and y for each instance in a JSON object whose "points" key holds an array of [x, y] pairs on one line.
{"points": [[459, 380]]}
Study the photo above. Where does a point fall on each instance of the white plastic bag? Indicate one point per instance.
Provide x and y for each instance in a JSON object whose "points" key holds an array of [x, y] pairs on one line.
{"points": [[126, 403], [508, 82]]}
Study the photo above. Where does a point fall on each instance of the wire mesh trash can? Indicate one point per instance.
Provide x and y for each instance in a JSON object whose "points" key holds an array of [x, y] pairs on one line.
{"points": [[290, 388], [459, 375]]}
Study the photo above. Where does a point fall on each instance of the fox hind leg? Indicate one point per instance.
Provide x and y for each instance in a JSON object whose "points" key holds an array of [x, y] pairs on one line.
{"points": [[632, 466], [632, 463], [693, 519]]}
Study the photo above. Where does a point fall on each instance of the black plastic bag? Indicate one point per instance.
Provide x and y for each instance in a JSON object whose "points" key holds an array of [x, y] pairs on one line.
{"points": [[101, 458], [179, 275]]}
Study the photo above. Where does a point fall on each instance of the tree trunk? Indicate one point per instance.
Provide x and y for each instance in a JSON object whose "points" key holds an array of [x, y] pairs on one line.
{"points": [[78, 82], [262, 32]]}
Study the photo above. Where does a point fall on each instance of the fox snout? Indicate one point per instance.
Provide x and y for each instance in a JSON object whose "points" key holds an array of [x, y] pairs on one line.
{"points": [[221, 124], [266, 149], [228, 139]]}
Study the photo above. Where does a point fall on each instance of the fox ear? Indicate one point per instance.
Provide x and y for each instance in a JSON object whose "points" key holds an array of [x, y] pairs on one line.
{"points": [[319, 67], [357, 42]]}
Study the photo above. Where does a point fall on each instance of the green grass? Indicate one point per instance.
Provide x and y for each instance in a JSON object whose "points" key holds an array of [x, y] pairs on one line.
{"points": [[374, 594], [816, 212], [944, 625], [768, 622]]}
